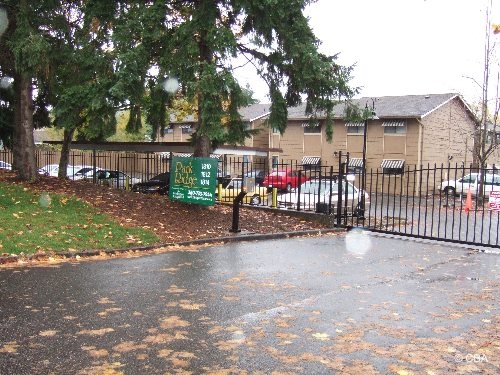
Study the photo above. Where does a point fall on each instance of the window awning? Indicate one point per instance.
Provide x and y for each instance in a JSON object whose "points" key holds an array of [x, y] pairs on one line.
{"points": [[356, 162], [184, 155], [354, 124], [311, 160], [214, 156], [394, 123], [393, 163]]}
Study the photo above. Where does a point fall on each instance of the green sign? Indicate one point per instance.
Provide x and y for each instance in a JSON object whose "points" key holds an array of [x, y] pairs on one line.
{"points": [[193, 180]]}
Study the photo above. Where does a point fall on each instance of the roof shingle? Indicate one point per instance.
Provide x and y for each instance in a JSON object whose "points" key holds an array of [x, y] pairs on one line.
{"points": [[397, 107]]}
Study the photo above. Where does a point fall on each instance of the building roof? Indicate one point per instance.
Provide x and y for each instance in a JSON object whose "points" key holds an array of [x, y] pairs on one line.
{"points": [[251, 113], [387, 107], [255, 111]]}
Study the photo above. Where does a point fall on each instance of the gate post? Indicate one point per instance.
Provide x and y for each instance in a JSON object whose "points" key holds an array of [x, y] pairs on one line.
{"points": [[236, 210], [339, 189]]}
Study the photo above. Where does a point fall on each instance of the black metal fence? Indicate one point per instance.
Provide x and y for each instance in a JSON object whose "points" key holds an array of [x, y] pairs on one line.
{"points": [[140, 166], [451, 203], [427, 202]]}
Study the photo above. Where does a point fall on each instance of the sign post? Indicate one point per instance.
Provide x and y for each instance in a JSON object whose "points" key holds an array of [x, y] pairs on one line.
{"points": [[494, 200], [193, 180]]}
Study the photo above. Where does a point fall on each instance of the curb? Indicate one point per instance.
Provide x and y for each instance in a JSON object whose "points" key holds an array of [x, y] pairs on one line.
{"points": [[237, 237]]}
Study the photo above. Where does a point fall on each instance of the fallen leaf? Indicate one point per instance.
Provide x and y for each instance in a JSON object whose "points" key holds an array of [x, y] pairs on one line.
{"points": [[321, 336]]}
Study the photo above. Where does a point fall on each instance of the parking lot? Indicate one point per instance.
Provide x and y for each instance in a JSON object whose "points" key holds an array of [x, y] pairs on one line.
{"points": [[353, 303]]}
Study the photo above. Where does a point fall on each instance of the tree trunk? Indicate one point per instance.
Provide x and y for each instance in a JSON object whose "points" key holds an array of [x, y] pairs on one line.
{"points": [[24, 142], [202, 137], [66, 147], [203, 146]]}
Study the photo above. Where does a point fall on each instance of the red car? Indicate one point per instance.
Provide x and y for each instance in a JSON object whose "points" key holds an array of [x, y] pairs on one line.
{"points": [[284, 179]]}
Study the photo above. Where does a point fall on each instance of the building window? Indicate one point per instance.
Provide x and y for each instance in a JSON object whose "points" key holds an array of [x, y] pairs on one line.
{"points": [[275, 161], [355, 165], [186, 129], [496, 138], [394, 127], [393, 166], [355, 127], [167, 130], [311, 162], [275, 130], [311, 128]]}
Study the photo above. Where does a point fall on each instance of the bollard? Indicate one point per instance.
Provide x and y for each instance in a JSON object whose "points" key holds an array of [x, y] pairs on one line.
{"points": [[236, 211], [275, 198]]}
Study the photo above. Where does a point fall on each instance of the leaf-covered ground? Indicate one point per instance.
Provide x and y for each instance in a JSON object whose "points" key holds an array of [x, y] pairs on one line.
{"points": [[172, 221]]}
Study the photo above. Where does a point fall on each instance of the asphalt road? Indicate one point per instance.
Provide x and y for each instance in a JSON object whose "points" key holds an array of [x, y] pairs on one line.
{"points": [[346, 304]]}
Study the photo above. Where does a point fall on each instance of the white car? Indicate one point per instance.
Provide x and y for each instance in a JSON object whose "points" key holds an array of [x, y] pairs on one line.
{"points": [[53, 170], [83, 172], [5, 165], [471, 181], [322, 196], [116, 179], [48, 170]]}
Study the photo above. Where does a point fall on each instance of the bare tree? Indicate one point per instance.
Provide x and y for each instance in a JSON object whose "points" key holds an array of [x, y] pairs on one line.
{"points": [[486, 135]]}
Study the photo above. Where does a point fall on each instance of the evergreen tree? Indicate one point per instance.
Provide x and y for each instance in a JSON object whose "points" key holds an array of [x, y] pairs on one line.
{"points": [[197, 41]]}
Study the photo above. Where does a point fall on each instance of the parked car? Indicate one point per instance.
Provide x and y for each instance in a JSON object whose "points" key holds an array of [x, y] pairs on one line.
{"points": [[84, 172], [53, 170], [159, 184], [232, 187], [5, 165], [257, 174], [76, 172], [316, 195], [471, 181], [116, 179], [284, 179], [47, 170]]}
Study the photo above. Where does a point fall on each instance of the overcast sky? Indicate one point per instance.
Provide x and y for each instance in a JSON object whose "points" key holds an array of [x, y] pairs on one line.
{"points": [[403, 47]]}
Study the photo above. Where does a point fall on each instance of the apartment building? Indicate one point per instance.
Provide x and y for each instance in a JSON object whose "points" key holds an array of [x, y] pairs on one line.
{"points": [[403, 130]]}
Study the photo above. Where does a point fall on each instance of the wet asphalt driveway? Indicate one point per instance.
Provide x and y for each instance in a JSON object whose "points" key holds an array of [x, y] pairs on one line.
{"points": [[355, 304]]}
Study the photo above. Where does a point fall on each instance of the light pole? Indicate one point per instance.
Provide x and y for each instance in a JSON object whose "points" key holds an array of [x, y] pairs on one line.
{"points": [[368, 114]]}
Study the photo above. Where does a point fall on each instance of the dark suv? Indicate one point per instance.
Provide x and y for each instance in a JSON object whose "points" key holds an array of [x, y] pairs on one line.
{"points": [[159, 184]]}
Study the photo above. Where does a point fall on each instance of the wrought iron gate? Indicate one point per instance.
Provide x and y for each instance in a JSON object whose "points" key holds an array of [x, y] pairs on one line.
{"points": [[434, 202]]}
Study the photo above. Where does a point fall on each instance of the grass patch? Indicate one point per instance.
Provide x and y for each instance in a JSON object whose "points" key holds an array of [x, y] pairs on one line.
{"points": [[42, 222]]}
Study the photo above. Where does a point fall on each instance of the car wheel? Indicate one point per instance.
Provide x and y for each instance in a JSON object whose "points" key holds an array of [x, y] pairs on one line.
{"points": [[288, 187], [449, 190], [255, 201]]}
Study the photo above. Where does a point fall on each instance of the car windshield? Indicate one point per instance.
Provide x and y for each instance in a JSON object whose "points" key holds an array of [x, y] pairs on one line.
{"points": [[469, 179], [84, 170], [161, 177], [277, 174], [314, 186]]}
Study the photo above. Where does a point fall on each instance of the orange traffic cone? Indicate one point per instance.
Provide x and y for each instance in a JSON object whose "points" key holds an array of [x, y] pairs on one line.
{"points": [[468, 202]]}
